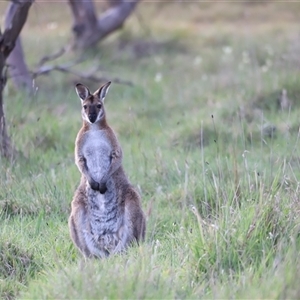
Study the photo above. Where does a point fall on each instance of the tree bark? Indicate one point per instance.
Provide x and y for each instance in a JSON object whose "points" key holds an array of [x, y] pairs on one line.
{"points": [[18, 70], [8, 40], [88, 30], [5, 144], [17, 66]]}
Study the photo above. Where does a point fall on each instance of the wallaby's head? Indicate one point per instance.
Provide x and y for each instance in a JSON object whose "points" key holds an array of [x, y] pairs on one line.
{"points": [[92, 104]]}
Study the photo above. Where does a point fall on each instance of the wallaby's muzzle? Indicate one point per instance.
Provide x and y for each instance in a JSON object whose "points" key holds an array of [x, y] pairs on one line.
{"points": [[92, 117]]}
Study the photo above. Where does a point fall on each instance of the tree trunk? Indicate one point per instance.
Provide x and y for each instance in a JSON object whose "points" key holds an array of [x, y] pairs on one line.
{"points": [[8, 40], [85, 22], [88, 30], [5, 144], [17, 67], [18, 70]]}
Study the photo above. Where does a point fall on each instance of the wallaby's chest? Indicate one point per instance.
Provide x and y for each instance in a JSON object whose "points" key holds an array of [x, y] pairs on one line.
{"points": [[96, 143], [97, 149]]}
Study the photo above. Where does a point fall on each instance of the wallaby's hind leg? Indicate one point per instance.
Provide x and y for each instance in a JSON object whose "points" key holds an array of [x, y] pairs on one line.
{"points": [[76, 229], [77, 220], [133, 229], [134, 215]]}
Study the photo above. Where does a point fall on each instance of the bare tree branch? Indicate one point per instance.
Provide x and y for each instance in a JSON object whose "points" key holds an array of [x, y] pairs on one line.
{"points": [[68, 68], [115, 17], [89, 30], [44, 70], [53, 56]]}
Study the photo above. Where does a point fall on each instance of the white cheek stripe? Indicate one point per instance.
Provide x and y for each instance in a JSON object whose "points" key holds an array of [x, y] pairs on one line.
{"points": [[99, 115], [85, 117]]}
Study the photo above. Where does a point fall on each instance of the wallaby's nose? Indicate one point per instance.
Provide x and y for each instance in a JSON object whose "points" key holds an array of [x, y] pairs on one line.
{"points": [[92, 117]]}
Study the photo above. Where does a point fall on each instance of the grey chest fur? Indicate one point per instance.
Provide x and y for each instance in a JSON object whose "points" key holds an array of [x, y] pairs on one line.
{"points": [[97, 152]]}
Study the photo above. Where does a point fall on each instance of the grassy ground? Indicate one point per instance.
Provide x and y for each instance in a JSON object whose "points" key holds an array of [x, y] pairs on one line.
{"points": [[205, 140]]}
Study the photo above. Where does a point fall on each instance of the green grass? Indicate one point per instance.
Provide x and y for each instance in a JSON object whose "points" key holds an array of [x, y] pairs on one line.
{"points": [[213, 155]]}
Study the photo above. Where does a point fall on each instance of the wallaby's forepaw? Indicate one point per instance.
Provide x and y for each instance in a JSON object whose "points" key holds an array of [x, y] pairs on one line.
{"points": [[102, 188], [115, 154]]}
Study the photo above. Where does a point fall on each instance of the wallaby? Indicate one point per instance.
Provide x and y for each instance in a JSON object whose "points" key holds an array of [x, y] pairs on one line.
{"points": [[106, 214]]}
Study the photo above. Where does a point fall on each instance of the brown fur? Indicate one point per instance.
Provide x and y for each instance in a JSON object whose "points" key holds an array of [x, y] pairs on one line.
{"points": [[106, 213]]}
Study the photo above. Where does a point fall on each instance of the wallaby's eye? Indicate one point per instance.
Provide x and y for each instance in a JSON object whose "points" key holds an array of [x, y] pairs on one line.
{"points": [[99, 106], [85, 106]]}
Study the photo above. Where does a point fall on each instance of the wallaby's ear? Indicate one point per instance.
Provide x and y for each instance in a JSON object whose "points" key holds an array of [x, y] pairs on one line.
{"points": [[82, 91], [102, 91]]}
